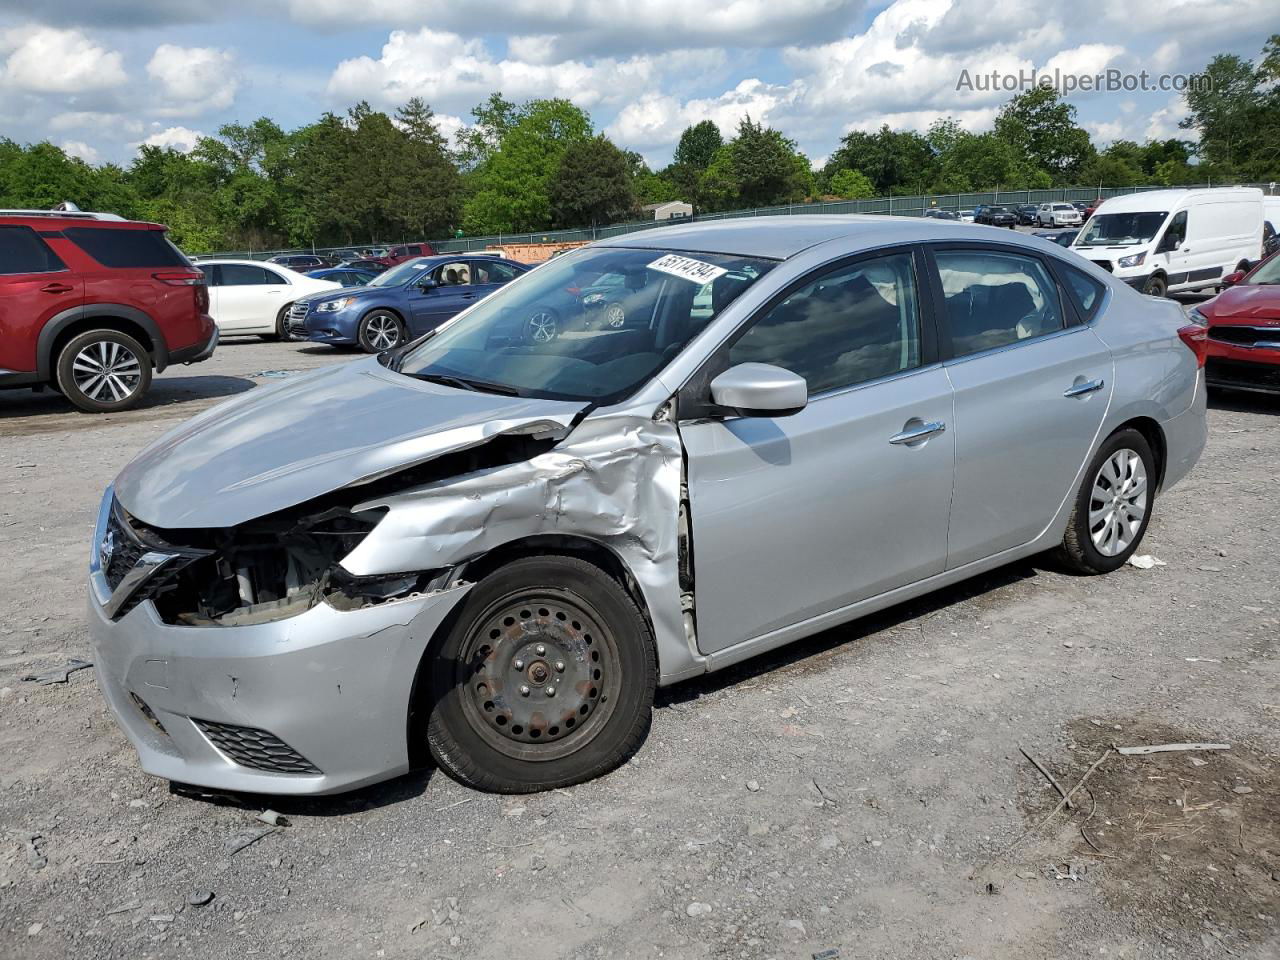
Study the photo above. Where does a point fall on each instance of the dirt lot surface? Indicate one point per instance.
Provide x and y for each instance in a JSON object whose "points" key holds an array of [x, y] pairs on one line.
{"points": [[863, 792]]}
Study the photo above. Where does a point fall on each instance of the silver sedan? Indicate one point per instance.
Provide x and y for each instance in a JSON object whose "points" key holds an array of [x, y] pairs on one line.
{"points": [[490, 551]]}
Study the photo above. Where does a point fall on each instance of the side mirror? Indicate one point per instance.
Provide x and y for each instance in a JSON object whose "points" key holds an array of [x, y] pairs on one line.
{"points": [[1231, 279], [760, 390], [425, 284]]}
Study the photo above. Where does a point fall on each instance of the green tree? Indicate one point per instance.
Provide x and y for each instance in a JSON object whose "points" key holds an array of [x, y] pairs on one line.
{"points": [[509, 190], [1042, 127], [895, 161], [766, 166], [592, 184], [852, 185], [478, 142], [698, 145]]}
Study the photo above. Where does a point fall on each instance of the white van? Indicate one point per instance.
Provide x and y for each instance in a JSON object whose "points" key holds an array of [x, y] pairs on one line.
{"points": [[1167, 241]]}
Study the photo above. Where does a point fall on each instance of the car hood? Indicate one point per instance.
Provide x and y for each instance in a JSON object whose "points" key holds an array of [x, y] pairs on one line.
{"points": [[339, 292], [1244, 304], [279, 446]]}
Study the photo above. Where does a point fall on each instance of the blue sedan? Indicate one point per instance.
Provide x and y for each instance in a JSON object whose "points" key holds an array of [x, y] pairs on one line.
{"points": [[347, 276], [402, 304]]}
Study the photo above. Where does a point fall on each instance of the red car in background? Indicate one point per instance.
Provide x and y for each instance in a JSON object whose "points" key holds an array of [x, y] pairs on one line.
{"points": [[405, 251], [91, 303], [1243, 330]]}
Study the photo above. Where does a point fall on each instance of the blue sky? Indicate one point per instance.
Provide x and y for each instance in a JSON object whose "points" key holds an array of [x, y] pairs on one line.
{"points": [[99, 77]]}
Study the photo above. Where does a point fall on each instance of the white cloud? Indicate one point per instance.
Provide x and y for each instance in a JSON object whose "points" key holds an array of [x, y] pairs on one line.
{"points": [[656, 120], [48, 60], [193, 80], [178, 138], [78, 148], [455, 73]]}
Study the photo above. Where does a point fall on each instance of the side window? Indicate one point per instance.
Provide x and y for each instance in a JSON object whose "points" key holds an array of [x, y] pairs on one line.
{"points": [[455, 275], [853, 324], [1087, 291], [1176, 232], [487, 271], [22, 251], [211, 274], [994, 299], [118, 247], [243, 275], [413, 251]]}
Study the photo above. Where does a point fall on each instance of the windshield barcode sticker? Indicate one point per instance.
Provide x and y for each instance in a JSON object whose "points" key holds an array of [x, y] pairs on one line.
{"points": [[686, 268]]}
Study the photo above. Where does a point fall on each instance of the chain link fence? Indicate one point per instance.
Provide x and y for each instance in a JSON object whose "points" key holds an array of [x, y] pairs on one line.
{"points": [[913, 206]]}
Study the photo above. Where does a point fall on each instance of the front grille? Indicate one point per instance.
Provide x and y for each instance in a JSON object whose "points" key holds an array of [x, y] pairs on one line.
{"points": [[1246, 336], [298, 317], [1243, 374], [255, 748], [127, 548]]}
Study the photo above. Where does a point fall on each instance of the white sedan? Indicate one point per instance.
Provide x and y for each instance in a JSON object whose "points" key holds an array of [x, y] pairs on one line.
{"points": [[249, 296]]}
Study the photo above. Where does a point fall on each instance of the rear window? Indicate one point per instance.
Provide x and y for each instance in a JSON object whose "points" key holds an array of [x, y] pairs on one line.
{"points": [[22, 251], [113, 247]]}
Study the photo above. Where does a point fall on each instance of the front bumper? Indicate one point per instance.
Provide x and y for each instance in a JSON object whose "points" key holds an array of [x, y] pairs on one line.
{"points": [[338, 327], [326, 693], [1238, 367]]}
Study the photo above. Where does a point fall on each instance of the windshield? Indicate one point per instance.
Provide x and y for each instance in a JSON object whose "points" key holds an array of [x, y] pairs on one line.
{"points": [[543, 336], [1268, 271], [400, 275], [1121, 229]]}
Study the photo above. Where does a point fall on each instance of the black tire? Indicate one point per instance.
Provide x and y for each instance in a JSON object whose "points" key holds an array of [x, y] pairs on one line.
{"points": [[541, 326], [123, 357], [282, 326], [380, 330], [480, 701], [1156, 286], [1078, 551]]}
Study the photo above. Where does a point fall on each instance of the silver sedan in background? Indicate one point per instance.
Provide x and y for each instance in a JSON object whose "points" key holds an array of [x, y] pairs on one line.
{"points": [[490, 551]]}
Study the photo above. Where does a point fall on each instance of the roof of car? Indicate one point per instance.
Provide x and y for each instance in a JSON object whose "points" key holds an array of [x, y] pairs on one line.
{"points": [[781, 237]]}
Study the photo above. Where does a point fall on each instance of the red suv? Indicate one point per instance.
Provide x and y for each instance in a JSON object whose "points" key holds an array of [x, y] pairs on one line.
{"points": [[91, 303], [406, 251]]}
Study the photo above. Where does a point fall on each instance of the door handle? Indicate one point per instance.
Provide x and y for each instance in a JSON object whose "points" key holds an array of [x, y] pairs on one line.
{"points": [[56, 288], [916, 430], [1084, 389]]}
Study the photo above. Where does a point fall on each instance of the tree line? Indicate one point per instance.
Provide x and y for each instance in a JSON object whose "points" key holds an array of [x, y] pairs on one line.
{"points": [[517, 168]]}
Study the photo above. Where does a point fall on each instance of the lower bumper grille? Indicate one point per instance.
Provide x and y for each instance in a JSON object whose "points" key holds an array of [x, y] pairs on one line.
{"points": [[1241, 336], [1243, 374], [255, 748]]}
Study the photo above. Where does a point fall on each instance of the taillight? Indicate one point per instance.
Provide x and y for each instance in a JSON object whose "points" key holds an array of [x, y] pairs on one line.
{"points": [[202, 298], [183, 279], [1196, 337], [574, 291]]}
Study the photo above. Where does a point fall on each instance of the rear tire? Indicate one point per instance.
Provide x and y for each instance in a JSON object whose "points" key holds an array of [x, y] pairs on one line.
{"points": [[103, 371], [1105, 527], [545, 679]]}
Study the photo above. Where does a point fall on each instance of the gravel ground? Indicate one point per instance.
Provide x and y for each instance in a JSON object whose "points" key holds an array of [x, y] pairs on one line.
{"points": [[857, 792]]}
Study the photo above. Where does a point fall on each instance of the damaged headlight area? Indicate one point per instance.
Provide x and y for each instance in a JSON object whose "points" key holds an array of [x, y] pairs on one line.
{"points": [[263, 570]]}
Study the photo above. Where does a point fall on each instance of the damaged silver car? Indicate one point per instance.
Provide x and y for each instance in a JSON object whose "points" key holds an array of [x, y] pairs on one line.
{"points": [[489, 551]]}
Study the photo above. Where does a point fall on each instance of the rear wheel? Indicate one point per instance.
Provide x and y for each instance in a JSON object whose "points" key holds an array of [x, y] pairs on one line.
{"points": [[103, 371], [381, 331], [546, 679], [1112, 506]]}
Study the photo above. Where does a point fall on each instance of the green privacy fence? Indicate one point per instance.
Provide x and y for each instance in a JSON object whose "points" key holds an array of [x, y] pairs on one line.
{"points": [[914, 206]]}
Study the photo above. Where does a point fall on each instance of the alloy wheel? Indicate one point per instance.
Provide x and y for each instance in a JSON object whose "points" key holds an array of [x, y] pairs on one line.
{"points": [[106, 371], [539, 676], [382, 331], [615, 316], [1118, 502], [542, 327]]}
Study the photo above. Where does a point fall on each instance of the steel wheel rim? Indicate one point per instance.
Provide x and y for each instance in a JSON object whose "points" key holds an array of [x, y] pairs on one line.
{"points": [[106, 371], [504, 680], [382, 331], [542, 327], [615, 315], [1118, 502]]}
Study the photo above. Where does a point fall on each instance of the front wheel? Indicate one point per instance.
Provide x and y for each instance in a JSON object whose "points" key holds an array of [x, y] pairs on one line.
{"points": [[542, 326], [103, 371], [1156, 286], [546, 679], [380, 331], [1112, 506]]}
